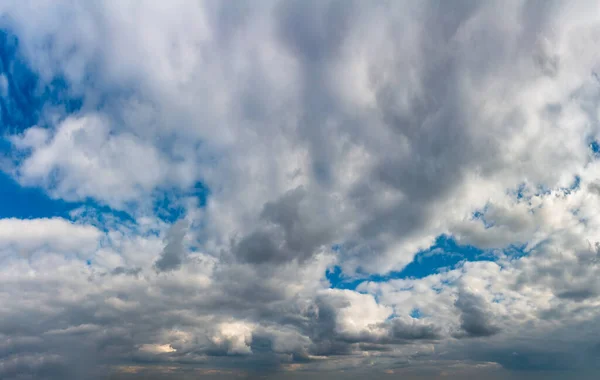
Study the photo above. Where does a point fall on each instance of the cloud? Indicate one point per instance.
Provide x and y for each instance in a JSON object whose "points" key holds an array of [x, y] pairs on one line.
{"points": [[174, 252], [233, 338], [291, 229], [328, 134], [100, 164], [474, 316], [27, 235]]}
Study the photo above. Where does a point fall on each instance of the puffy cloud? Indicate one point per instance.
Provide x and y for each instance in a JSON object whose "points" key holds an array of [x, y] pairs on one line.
{"points": [[85, 159], [28, 235], [234, 338], [172, 255], [292, 229], [474, 315]]}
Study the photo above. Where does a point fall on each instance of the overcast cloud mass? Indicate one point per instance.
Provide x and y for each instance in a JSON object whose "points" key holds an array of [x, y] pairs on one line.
{"points": [[299, 189]]}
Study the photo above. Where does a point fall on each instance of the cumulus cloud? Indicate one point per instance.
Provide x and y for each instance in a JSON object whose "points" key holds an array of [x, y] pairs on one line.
{"points": [[474, 315], [174, 252], [28, 235], [331, 137], [84, 159]]}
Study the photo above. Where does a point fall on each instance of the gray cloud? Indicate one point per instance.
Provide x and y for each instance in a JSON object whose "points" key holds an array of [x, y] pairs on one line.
{"points": [[291, 230], [406, 332], [474, 315], [126, 271], [174, 252]]}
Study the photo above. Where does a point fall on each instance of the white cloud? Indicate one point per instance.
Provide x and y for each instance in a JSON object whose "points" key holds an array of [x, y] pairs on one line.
{"points": [[85, 159], [54, 234], [234, 337], [356, 313]]}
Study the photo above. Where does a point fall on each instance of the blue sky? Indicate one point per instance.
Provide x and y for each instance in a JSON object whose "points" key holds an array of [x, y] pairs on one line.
{"points": [[23, 203], [20, 109], [23, 107], [444, 255]]}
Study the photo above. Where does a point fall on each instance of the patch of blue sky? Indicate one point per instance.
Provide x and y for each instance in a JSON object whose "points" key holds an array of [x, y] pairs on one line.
{"points": [[595, 148], [524, 193], [101, 216], [21, 202], [480, 215], [416, 313], [168, 205], [574, 186], [24, 98], [337, 280], [520, 192], [515, 252], [21, 106], [445, 254], [24, 95], [29, 203]]}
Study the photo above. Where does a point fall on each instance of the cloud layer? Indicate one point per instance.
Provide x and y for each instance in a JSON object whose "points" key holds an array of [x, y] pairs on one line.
{"points": [[222, 160]]}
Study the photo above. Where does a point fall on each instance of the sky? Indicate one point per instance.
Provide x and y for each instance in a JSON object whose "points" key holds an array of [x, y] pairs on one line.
{"points": [[299, 189]]}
